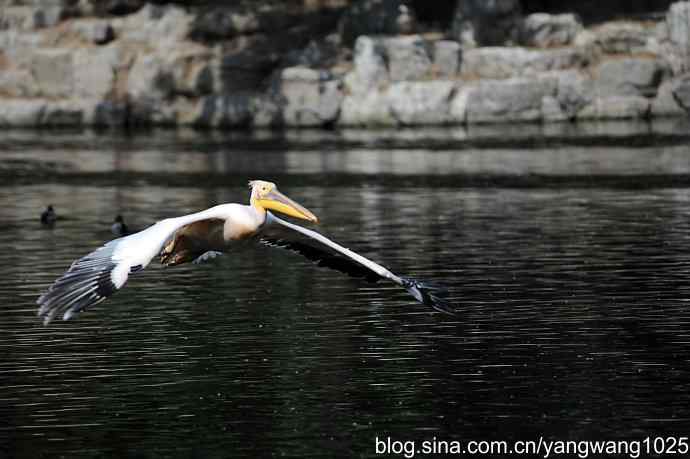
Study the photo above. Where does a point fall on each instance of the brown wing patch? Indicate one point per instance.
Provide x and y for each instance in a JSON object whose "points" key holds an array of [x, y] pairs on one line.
{"points": [[192, 240]]}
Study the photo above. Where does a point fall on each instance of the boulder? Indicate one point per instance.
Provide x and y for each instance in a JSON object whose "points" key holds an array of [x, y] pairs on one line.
{"points": [[53, 71], [376, 17], [243, 109], [616, 107], [483, 23], [29, 18], [18, 47], [309, 97], [447, 55], [407, 57], [225, 110], [191, 68], [678, 24], [458, 105], [322, 53], [21, 112], [665, 104], [629, 77], [105, 113], [515, 99], [98, 32], [573, 92], [159, 26], [369, 71], [681, 93], [546, 30], [507, 62], [95, 70], [17, 82], [623, 37], [421, 102], [371, 109], [150, 85], [551, 110], [63, 113]]}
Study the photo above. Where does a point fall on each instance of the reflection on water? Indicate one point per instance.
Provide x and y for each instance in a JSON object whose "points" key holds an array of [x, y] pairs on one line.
{"points": [[573, 319]]}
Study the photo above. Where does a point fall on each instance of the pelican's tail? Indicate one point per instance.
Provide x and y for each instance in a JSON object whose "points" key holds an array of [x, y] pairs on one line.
{"points": [[431, 295]]}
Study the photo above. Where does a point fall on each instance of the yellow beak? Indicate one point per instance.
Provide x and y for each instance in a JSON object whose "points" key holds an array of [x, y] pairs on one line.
{"points": [[275, 200]]}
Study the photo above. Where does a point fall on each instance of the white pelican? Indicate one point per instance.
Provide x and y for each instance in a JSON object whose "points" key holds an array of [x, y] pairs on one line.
{"points": [[96, 276]]}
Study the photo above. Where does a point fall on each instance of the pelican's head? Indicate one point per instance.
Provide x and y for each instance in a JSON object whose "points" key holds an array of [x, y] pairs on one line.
{"points": [[266, 195]]}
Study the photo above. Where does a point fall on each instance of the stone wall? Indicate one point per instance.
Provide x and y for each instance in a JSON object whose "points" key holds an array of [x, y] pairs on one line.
{"points": [[320, 63]]}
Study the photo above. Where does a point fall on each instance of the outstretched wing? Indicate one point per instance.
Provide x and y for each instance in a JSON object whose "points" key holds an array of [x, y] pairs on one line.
{"points": [[98, 275], [90, 280], [324, 252]]}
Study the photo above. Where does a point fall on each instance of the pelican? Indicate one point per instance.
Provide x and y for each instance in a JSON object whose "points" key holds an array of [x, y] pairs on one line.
{"points": [[195, 237]]}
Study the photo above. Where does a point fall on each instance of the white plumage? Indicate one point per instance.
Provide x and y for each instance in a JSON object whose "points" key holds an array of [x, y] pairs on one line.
{"points": [[195, 237]]}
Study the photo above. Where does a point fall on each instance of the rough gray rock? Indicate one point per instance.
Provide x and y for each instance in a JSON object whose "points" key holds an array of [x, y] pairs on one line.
{"points": [[665, 104], [309, 97], [376, 17], [487, 23], [150, 85], [21, 112], [98, 32], [421, 102], [506, 62], [616, 107], [65, 112], [244, 109], [30, 17], [458, 105], [623, 37], [408, 57], [16, 82], [371, 109], [159, 26], [369, 71], [545, 30], [191, 69], [53, 71], [629, 77], [95, 71], [574, 91], [447, 55], [105, 113], [681, 93], [515, 99], [678, 22], [551, 110], [226, 110]]}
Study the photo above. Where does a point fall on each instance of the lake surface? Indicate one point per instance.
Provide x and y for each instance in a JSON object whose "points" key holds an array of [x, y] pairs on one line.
{"points": [[566, 253]]}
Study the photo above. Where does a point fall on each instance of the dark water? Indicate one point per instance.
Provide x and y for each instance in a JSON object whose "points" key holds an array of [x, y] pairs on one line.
{"points": [[567, 258]]}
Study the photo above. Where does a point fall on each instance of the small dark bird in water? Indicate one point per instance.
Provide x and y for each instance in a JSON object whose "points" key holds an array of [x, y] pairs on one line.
{"points": [[119, 228], [48, 216]]}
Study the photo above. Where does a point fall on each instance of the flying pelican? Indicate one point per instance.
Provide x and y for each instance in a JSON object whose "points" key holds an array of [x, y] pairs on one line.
{"points": [[96, 276]]}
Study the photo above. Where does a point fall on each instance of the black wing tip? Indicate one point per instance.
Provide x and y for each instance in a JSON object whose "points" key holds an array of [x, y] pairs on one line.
{"points": [[430, 295], [76, 290]]}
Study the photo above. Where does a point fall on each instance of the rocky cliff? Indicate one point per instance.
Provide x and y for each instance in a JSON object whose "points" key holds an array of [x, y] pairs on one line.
{"points": [[335, 62]]}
